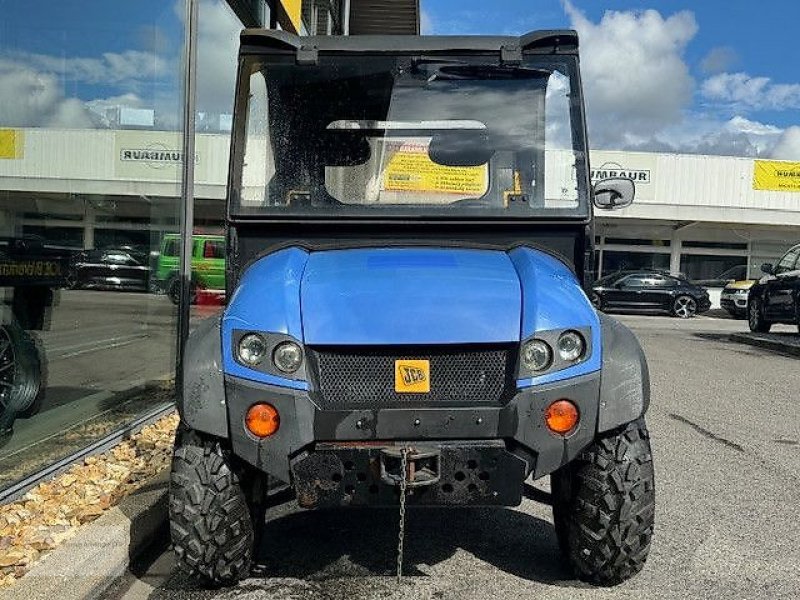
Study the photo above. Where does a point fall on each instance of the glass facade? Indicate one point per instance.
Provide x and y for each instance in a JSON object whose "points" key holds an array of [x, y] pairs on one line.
{"points": [[90, 178], [616, 260]]}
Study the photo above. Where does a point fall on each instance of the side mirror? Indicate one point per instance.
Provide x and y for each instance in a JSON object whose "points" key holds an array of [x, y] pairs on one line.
{"points": [[614, 193], [767, 268]]}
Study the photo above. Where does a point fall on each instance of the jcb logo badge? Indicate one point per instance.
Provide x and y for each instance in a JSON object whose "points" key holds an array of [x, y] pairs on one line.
{"points": [[412, 376]]}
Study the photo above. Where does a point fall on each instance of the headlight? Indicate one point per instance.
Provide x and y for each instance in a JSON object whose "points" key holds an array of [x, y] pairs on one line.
{"points": [[571, 346], [252, 349], [537, 355], [288, 357]]}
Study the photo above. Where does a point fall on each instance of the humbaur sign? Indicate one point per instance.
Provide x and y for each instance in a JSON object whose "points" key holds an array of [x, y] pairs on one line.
{"points": [[612, 169], [155, 155], [150, 155]]}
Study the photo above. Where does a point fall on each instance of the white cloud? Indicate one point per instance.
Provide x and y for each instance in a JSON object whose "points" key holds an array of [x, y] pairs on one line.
{"points": [[29, 98], [718, 59], [110, 68], [748, 92], [425, 22], [636, 81], [217, 47], [788, 146], [741, 124]]}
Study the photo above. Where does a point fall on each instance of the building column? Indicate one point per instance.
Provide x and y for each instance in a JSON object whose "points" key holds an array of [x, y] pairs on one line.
{"points": [[675, 248], [88, 226]]}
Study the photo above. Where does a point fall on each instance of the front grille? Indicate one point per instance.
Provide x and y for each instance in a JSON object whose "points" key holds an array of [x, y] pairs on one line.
{"points": [[363, 377]]}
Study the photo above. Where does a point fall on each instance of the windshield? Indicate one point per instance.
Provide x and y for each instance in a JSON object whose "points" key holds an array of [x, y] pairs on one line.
{"points": [[406, 136]]}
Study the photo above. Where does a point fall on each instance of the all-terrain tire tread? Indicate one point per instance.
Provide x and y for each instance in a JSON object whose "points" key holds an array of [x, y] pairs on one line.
{"points": [[604, 506], [210, 524]]}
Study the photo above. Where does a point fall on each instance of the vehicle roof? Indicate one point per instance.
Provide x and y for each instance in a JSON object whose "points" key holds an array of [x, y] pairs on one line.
{"points": [[563, 41], [625, 273]]}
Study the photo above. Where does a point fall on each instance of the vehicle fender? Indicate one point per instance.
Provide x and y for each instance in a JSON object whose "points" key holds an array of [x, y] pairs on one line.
{"points": [[625, 379], [201, 403]]}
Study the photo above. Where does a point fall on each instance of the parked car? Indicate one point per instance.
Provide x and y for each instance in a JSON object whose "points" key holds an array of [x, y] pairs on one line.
{"points": [[650, 291], [775, 298], [736, 273], [208, 264], [111, 269], [734, 297]]}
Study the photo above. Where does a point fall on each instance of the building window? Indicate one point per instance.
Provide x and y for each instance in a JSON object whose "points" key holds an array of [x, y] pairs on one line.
{"points": [[710, 267], [618, 260]]}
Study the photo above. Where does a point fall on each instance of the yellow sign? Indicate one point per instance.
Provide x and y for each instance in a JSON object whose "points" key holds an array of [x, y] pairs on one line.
{"points": [[776, 176], [290, 15], [12, 143], [410, 170], [412, 376]]}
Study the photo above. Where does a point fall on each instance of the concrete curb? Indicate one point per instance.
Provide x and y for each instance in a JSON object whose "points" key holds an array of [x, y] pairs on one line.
{"points": [[770, 342], [84, 566]]}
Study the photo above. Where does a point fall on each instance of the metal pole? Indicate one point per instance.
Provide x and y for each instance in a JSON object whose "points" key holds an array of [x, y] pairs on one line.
{"points": [[345, 17], [187, 183]]}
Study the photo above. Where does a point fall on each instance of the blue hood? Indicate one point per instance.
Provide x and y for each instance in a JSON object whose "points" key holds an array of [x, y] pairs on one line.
{"points": [[410, 296]]}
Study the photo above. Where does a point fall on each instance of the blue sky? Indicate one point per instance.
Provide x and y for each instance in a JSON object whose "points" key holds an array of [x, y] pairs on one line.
{"points": [[707, 76], [734, 62]]}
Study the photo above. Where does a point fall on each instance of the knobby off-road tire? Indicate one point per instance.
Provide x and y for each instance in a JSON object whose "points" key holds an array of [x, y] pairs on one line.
{"points": [[213, 519], [604, 506], [22, 375]]}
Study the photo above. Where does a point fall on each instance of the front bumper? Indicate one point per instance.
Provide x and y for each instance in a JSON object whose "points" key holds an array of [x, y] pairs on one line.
{"points": [[309, 439], [736, 303], [456, 473]]}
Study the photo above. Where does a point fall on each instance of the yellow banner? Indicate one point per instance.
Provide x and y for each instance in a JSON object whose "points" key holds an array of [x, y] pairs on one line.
{"points": [[290, 15], [410, 170], [776, 176], [12, 143]]}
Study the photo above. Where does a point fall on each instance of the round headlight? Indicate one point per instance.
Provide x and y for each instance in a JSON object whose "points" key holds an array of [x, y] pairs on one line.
{"points": [[288, 357], [571, 345], [537, 355], [252, 349]]}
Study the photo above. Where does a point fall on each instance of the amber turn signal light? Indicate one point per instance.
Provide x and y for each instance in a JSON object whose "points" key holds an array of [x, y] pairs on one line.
{"points": [[561, 417], [262, 420]]}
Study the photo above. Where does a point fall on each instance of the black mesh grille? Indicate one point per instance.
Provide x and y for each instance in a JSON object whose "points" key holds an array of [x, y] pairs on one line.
{"points": [[358, 377]]}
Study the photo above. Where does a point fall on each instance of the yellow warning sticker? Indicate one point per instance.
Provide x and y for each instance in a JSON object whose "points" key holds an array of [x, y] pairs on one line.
{"points": [[411, 170], [12, 143], [412, 376]]}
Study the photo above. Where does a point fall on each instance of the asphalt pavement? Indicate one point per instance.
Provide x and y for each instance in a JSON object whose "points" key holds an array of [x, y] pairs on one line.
{"points": [[108, 355], [725, 425]]}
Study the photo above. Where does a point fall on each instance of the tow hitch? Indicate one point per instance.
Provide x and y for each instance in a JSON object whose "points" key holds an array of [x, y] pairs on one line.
{"points": [[423, 466]]}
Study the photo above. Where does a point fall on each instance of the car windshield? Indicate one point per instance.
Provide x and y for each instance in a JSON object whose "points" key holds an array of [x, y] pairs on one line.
{"points": [[407, 136]]}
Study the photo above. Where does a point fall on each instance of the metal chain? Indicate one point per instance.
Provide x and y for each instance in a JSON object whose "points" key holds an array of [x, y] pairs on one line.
{"points": [[402, 529]]}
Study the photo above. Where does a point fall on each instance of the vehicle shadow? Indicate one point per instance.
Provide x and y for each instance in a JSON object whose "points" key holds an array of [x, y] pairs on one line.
{"points": [[325, 544]]}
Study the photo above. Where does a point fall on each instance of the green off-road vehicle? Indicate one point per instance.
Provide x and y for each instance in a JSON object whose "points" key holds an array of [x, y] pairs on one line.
{"points": [[208, 264]]}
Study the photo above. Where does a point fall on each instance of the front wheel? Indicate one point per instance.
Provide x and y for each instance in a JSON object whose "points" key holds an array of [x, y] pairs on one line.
{"points": [[212, 522], [755, 317], [174, 291], [604, 506], [21, 374], [684, 307]]}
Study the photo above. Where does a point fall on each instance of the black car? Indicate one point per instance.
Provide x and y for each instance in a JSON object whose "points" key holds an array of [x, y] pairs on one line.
{"points": [[112, 269], [776, 297], [650, 291]]}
